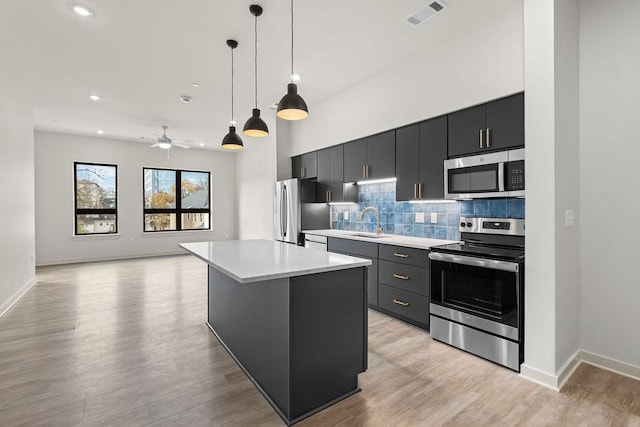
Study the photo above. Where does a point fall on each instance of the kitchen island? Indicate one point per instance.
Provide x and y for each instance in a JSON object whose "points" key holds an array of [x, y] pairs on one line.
{"points": [[294, 319]]}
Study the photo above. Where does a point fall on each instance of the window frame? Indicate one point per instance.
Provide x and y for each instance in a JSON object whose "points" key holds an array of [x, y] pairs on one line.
{"points": [[93, 211], [177, 210]]}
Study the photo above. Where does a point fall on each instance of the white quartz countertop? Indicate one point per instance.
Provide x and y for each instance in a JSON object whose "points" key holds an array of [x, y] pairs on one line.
{"points": [[387, 239], [257, 260]]}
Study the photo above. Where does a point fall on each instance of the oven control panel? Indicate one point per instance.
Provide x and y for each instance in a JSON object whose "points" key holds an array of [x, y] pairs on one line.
{"points": [[514, 175], [506, 226]]}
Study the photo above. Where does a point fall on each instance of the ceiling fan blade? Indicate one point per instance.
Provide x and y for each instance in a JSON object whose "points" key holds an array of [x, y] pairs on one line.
{"points": [[154, 145], [183, 141], [178, 144]]}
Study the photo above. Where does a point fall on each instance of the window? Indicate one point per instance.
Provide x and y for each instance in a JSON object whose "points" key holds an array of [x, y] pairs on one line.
{"points": [[175, 207], [96, 193]]}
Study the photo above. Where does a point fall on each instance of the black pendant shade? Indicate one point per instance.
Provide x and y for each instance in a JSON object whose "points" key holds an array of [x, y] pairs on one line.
{"points": [[255, 126], [292, 106], [232, 140]]}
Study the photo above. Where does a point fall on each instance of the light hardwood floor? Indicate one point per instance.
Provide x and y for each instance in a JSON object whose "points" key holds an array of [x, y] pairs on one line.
{"points": [[125, 343]]}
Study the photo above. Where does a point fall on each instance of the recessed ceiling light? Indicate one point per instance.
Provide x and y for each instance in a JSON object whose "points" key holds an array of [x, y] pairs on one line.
{"points": [[100, 132], [295, 77], [195, 84], [94, 97], [185, 99], [81, 10], [232, 122], [202, 144]]}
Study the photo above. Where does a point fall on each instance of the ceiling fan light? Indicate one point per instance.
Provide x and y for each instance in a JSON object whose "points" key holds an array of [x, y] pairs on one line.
{"points": [[232, 141], [292, 106], [255, 126], [165, 145]]}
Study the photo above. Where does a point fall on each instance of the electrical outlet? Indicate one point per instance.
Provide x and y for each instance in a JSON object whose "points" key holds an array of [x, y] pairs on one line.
{"points": [[434, 217], [345, 215], [420, 217]]}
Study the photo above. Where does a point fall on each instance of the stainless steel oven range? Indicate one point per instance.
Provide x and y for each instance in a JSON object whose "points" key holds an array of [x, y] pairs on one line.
{"points": [[477, 290]]}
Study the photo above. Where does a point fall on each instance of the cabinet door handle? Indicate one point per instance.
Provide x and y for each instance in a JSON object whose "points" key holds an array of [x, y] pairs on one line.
{"points": [[368, 169], [488, 137], [420, 191], [415, 191], [301, 172], [399, 255], [481, 137], [402, 303], [400, 276], [364, 172]]}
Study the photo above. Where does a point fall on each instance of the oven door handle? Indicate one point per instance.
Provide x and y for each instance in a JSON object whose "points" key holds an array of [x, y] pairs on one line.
{"points": [[476, 262]]}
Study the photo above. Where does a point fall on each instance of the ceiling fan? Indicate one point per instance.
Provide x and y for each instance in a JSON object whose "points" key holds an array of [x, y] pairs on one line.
{"points": [[166, 143]]}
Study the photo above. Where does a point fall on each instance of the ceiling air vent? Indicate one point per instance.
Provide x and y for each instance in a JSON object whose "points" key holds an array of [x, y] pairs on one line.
{"points": [[426, 12]]}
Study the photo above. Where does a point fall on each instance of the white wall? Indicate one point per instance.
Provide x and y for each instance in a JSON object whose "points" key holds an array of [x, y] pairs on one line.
{"points": [[485, 62], [256, 175], [54, 157], [17, 231], [609, 197]]}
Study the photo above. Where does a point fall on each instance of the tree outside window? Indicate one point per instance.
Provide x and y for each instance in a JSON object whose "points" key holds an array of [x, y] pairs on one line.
{"points": [[169, 206], [96, 197]]}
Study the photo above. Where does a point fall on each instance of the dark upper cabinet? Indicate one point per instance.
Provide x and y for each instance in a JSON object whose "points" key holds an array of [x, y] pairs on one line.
{"points": [[305, 165], [493, 126], [355, 160], [370, 158], [421, 150], [381, 155], [330, 177], [407, 162]]}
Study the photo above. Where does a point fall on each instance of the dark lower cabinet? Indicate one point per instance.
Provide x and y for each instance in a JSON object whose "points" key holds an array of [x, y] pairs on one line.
{"points": [[397, 280], [493, 126]]}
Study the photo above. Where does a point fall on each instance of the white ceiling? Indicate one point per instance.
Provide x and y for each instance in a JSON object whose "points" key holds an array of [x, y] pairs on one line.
{"points": [[140, 56]]}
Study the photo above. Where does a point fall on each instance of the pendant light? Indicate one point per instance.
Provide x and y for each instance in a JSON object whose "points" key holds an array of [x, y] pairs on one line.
{"points": [[255, 126], [292, 106], [232, 140]]}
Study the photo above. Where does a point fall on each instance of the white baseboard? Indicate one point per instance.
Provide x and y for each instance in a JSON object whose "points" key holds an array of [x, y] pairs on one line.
{"points": [[116, 258], [556, 382], [539, 377], [16, 296], [612, 365]]}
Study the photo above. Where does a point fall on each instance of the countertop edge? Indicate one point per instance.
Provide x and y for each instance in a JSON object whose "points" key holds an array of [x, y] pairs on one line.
{"points": [[391, 240]]}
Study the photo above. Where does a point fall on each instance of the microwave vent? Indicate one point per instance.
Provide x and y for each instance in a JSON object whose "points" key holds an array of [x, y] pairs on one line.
{"points": [[426, 12]]}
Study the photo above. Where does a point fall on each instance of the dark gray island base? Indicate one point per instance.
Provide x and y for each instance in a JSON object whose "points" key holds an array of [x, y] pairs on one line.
{"points": [[301, 339]]}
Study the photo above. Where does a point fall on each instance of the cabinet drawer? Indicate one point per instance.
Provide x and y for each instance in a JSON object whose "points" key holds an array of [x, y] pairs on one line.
{"points": [[407, 277], [403, 303], [354, 247], [411, 256]]}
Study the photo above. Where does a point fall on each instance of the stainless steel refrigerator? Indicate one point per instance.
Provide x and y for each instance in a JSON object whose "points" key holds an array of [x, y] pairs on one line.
{"points": [[292, 213]]}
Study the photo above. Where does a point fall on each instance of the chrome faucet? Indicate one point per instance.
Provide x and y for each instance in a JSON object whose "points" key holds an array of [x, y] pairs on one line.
{"points": [[370, 208]]}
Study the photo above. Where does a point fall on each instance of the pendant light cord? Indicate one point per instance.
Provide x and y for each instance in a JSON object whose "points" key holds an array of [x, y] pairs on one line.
{"points": [[232, 85], [255, 58], [292, 40]]}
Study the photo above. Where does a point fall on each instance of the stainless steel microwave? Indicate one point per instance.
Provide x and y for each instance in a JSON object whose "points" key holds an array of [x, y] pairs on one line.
{"points": [[499, 174]]}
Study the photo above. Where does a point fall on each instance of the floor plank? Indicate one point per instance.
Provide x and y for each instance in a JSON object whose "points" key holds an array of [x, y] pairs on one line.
{"points": [[125, 343]]}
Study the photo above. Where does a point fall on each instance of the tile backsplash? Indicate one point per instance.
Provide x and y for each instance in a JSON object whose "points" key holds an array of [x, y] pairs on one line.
{"points": [[400, 217]]}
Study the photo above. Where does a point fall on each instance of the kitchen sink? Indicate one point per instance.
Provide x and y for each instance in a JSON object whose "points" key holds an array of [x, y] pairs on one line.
{"points": [[370, 235]]}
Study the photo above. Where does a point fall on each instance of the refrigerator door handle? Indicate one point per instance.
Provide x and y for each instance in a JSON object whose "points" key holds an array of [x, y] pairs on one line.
{"points": [[284, 210]]}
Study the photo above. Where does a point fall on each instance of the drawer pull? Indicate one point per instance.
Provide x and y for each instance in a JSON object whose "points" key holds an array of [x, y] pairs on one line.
{"points": [[399, 255], [402, 303], [400, 276]]}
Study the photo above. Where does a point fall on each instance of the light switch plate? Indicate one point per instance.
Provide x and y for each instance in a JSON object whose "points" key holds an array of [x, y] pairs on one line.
{"points": [[568, 218], [420, 217], [434, 217], [346, 216]]}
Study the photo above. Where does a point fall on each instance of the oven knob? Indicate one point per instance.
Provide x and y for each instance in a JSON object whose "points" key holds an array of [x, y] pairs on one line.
{"points": [[469, 224], [462, 224]]}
